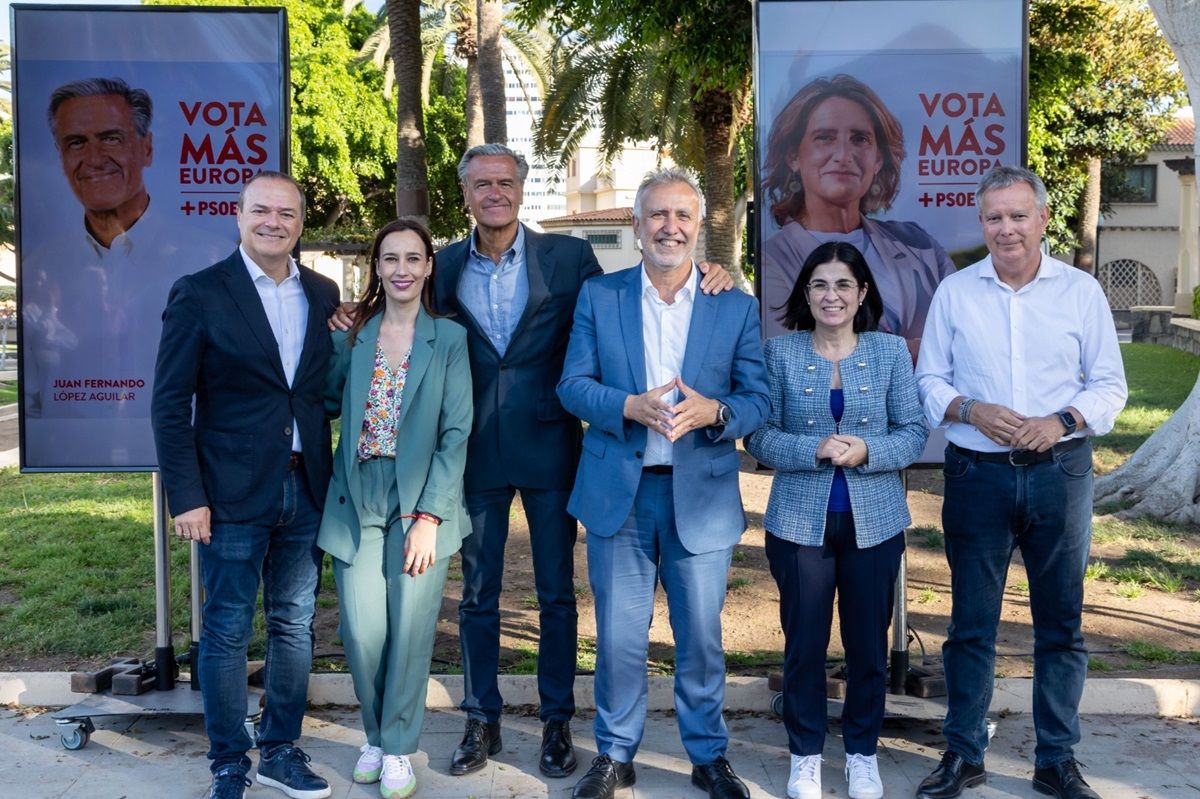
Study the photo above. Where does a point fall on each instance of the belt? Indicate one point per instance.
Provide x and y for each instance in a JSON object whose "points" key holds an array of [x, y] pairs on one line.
{"points": [[295, 461], [661, 468], [1020, 457]]}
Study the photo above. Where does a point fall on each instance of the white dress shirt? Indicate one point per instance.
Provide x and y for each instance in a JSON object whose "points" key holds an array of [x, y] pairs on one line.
{"points": [[664, 338], [1049, 345], [287, 311]]}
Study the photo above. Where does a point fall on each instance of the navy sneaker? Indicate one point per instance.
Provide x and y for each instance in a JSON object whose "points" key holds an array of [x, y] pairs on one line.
{"points": [[228, 783], [286, 768]]}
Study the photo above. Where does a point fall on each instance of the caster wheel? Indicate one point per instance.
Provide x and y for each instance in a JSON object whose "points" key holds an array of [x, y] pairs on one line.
{"points": [[75, 738], [777, 704]]}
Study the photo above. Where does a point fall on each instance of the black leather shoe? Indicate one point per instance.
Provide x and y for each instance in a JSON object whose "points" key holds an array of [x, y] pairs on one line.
{"points": [[950, 777], [558, 755], [719, 780], [604, 778], [480, 739], [1063, 780]]}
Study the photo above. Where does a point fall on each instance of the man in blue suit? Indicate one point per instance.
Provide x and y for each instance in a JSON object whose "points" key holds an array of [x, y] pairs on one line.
{"points": [[246, 474], [667, 379], [514, 291]]}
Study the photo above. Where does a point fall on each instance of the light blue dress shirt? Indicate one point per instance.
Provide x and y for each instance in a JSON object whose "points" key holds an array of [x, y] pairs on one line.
{"points": [[496, 294]]}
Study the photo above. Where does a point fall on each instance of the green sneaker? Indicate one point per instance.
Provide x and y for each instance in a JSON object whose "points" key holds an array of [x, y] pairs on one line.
{"points": [[398, 779], [369, 765]]}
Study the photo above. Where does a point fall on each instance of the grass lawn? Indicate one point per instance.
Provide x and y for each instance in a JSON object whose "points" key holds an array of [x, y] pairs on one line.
{"points": [[8, 392]]}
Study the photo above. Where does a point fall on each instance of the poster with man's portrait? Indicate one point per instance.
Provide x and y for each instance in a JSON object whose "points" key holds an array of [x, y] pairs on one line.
{"points": [[135, 129], [875, 121]]}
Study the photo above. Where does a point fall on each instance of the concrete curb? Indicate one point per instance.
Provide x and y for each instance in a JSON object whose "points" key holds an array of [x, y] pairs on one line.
{"points": [[1101, 696]]}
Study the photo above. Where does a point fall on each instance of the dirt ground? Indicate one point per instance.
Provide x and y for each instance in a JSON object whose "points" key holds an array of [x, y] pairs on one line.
{"points": [[751, 617]]}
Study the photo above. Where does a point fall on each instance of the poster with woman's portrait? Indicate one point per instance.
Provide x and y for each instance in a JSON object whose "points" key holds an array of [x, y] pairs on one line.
{"points": [[875, 121]]}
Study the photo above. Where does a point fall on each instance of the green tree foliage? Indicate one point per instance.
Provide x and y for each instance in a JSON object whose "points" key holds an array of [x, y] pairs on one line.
{"points": [[343, 130], [1102, 85], [445, 142], [7, 226]]}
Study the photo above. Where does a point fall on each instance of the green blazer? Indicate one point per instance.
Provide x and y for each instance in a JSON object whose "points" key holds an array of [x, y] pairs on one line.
{"points": [[431, 439]]}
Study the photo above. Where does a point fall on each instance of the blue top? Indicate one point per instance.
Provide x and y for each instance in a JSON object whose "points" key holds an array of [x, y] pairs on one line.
{"points": [[496, 294], [839, 493]]}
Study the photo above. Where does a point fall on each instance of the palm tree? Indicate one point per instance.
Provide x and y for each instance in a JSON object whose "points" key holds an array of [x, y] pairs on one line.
{"points": [[412, 172]]}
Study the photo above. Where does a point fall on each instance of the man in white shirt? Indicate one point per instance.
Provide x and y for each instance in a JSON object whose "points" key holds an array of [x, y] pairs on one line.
{"points": [[1020, 362], [667, 378]]}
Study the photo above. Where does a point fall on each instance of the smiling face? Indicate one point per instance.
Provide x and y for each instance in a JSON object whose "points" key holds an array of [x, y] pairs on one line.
{"points": [[838, 157], [403, 266], [669, 225], [270, 221], [834, 295], [102, 154], [1013, 227], [493, 191]]}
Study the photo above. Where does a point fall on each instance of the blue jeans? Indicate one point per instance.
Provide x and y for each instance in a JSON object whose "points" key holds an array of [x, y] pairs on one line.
{"points": [[991, 509], [279, 550]]}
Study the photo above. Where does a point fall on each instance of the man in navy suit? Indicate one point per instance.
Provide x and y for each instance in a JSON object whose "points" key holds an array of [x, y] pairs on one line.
{"points": [[514, 290], [667, 380], [246, 474]]}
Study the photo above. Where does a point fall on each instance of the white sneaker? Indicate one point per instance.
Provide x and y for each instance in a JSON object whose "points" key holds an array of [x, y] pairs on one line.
{"points": [[369, 765], [862, 772], [804, 782], [398, 778]]}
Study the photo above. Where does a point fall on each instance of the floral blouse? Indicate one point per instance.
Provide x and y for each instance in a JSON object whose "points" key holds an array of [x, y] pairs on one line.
{"points": [[378, 438]]}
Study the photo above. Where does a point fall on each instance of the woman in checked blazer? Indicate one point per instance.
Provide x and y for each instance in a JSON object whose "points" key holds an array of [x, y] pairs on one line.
{"points": [[845, 419]]}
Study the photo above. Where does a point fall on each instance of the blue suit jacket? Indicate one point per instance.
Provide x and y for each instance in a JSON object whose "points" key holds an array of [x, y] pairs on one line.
{"points": [[431, 433], [522, 436], [606, 363], [217, 346]]}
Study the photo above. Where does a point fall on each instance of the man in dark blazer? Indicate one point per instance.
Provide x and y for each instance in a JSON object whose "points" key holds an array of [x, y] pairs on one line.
{"points": [[246, 473], [515, 290]]}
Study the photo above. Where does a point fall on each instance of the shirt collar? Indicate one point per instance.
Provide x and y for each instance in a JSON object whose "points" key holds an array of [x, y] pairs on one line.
{"points": [[686, 292], [517, 250], [124, 243], [1047, 269], [256, 271]]}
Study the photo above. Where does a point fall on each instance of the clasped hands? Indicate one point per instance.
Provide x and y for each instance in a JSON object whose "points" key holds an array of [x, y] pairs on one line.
{"points": [[1015, 430], [672, 421], [843, 450]]}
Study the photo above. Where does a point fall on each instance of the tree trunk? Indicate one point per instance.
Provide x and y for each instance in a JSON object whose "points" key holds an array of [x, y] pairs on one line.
{"points": [[412, 172], [1089, 218], [1161, 479], [466, 47], [714, 114], [491, 71]]}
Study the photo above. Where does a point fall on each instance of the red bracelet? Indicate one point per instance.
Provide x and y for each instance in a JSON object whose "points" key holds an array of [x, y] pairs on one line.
{"points": [[429, 517]]}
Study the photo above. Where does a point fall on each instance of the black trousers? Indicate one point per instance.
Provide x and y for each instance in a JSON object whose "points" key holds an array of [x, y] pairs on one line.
{"points": [[864, 580]]}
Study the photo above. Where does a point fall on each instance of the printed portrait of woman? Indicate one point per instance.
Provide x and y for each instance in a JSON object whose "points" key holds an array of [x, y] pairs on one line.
{"points": [[833, 159]]}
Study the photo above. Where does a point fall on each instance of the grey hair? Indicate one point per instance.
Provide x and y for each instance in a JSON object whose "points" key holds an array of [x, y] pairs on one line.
{"points": [[272, 174], [492, 149], [662, 177], [138, 99], [1001, 177]]}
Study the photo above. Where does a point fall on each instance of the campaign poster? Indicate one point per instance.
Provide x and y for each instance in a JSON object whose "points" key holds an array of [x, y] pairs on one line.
{"points": [[876, 120], [135, 128]]}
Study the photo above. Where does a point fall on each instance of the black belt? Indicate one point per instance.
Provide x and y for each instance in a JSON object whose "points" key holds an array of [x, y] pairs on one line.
{"points": [[1020, 457], [661, 468], [295, 461]]}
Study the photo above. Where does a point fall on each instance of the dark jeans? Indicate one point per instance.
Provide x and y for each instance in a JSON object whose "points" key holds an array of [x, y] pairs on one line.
{"points": [[279, 550], [552, 534], [865, 582], [991, 509]]}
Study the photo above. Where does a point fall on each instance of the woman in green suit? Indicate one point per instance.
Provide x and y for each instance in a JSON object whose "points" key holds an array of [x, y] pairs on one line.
{"points": [[394, 514]]}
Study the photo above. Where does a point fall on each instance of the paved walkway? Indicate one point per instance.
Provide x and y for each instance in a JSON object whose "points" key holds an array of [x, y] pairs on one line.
{"points": [[1130, 757]]}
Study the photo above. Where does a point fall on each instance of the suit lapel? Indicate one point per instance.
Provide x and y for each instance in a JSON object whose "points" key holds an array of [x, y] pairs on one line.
{"points": [[539, 269], [362, 370], [457, 266], [631, 326], [245, 297], [314, 329], [418, 362], [700, 334]]}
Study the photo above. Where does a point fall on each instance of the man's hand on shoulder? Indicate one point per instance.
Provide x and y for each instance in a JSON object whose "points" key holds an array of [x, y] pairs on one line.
{"points": [[343, 317], [194, 525], [715, 279]]}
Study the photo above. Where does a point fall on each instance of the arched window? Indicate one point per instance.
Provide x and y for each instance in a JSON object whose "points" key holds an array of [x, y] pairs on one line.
{"points": [[1127, 283]]}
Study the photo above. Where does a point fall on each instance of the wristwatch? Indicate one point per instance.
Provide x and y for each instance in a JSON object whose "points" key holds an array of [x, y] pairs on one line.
{"points": [[1068, 421], [723, 414]]}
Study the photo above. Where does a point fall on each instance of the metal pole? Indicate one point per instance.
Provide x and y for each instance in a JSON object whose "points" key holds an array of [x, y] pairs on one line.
{"points": [[164, 652], [197, 603], [898, 671]]}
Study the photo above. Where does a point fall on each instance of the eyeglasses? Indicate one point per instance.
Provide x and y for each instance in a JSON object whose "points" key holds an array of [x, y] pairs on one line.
{"points": [[843, 288]]}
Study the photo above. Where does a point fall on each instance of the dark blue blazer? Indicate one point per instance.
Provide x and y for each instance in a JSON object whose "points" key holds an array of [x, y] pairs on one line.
{"points": [[522, 436], [217, 346]]}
